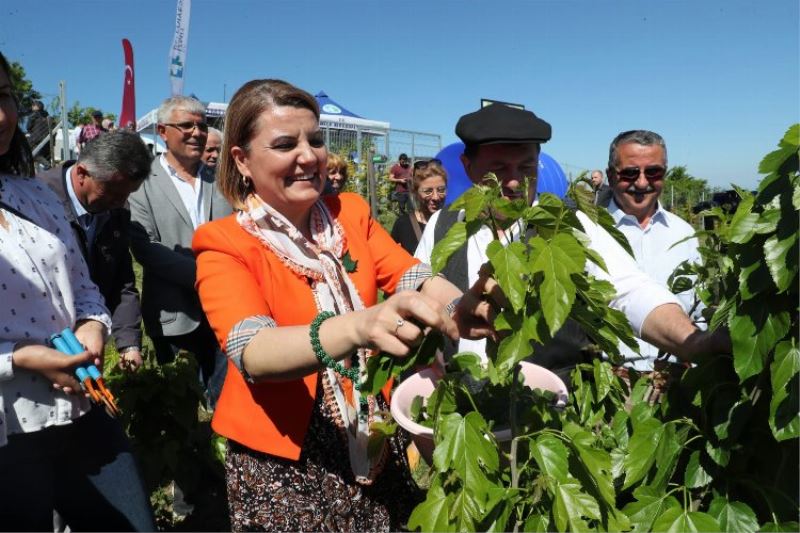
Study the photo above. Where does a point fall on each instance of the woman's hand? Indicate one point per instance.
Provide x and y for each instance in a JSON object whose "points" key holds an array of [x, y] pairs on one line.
{"points": [[92, 335], [397, 325], [57, 367]]}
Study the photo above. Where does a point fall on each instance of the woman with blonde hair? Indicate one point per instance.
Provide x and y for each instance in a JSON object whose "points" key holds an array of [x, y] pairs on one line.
{"points": [[428, 190], [289, 285], [337, 173]]}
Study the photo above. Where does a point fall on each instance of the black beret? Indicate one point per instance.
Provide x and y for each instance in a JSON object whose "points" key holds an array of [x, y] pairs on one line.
{"points": [[502, 124]]}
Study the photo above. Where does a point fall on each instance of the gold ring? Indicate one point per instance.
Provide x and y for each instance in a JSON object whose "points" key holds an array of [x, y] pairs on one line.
{"points": [[398, 324]]}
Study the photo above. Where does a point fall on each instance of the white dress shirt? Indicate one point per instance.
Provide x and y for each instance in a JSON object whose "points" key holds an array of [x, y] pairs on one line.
{"points": [[654, 252], [45, 287], [191, 195], [91, 223], [637, 294]]}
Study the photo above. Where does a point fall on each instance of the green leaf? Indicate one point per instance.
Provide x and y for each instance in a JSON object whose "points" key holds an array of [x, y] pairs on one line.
{"points": [[596, 464], [509, 267], [755, 329], [537, 523], [796, 198], [552, 457], [784, 420], [465, 448], [649, 505], [379, 370], [434, 513], [783, 526], [696, 476], [720, 455], [733, 517], [773, 161], [378, 433], [776, 251], [557, 260], [792, 136], [474, 200], [668, 452], [456, 238], [571, 505], [466, 510], [678, 520], [785, 366], [500, 503], [744, 221], [640, 458], [517, 346]]}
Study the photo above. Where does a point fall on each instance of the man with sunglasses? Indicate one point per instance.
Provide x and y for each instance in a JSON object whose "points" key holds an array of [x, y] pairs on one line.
{"points": [[637, 165], [506, 141], [180, 195]]}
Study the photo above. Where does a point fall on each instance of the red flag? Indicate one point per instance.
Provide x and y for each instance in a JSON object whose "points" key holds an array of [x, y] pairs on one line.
{"points": [[127, 117]]}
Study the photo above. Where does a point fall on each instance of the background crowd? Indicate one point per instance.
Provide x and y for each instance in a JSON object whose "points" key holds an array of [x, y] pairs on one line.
{"points": [[280, 283]]}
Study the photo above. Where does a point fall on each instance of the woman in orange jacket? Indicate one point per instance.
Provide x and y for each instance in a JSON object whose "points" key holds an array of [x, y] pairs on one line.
{"points": [[289, 284]]}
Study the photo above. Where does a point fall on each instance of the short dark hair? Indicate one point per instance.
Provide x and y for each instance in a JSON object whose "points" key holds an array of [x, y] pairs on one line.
{"points": [[402, 156], [118, 152]]}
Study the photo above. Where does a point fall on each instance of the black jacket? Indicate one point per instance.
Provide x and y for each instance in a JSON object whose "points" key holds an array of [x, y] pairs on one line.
{"points": [[109, 260]]}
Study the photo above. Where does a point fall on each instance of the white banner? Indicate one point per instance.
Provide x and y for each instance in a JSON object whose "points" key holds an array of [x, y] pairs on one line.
{"points": [[177, 55]]}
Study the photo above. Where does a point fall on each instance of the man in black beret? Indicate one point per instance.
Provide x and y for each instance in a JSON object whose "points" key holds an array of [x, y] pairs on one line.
{"points": [[506, 141]]}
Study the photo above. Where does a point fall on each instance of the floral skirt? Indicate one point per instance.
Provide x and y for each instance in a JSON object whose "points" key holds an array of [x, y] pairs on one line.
{"points": [[318, 492]]}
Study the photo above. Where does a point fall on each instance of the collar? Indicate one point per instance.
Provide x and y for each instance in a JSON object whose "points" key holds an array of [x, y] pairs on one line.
{"points": [[73, 198], [170, 170], [619, 215]]}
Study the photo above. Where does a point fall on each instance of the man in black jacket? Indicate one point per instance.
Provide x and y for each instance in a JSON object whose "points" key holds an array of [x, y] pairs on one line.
{"points": [[94, 190]]}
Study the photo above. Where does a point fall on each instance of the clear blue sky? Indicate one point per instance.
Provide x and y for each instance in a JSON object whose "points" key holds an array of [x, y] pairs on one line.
{"points": [[720, 80]]}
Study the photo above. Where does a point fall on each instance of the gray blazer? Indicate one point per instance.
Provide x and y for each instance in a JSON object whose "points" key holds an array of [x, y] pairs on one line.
{"points": [[161, 240]]}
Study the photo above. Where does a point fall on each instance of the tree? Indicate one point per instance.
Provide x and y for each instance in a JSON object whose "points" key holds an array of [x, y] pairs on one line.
{"points": [[23, 88], [682, 191]]}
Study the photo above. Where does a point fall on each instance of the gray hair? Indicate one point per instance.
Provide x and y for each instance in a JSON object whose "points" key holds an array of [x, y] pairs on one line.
{"points": [[118, 152], [215, 131], [643, 137], [186, 103]]}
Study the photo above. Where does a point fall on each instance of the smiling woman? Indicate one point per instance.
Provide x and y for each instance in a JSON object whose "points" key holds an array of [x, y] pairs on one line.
{"points": [[289, 285]]}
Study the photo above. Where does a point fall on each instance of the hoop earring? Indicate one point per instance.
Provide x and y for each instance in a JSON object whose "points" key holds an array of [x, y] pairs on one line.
{"points": [[246, 182]]}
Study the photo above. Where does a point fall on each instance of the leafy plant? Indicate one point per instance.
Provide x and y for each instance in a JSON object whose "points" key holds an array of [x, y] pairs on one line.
{"points": [[162, 413], [718, 453]]}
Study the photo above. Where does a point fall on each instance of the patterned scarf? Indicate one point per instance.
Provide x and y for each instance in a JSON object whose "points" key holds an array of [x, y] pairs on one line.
{"points": [[321, 262]]}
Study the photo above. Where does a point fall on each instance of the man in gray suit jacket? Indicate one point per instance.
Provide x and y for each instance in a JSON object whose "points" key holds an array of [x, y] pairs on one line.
{"points": [[179, 195]]}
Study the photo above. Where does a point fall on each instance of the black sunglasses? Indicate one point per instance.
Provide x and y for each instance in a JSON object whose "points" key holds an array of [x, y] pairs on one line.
{"points": [[188, 126], [651, 172], [422, 164]]}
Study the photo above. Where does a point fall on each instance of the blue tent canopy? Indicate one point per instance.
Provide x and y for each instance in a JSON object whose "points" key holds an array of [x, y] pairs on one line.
{"points": [[329, 107]]}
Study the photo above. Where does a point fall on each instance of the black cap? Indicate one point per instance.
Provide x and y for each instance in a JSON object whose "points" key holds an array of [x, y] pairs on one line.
{"points": [[502, 124], [97, 113]]}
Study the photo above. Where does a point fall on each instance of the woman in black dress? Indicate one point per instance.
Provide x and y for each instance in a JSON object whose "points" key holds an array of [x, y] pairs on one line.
{"points": [[428, 189]]}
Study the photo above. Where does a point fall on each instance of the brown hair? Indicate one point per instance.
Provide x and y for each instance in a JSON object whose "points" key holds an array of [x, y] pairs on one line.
{"points": [[241, 125], [18, 160], [432, 169]]}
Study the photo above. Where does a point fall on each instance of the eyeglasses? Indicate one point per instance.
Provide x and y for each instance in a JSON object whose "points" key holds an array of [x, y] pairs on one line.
{"points": [[188, 126], [427, 192], [651, 172], [423, 164]]}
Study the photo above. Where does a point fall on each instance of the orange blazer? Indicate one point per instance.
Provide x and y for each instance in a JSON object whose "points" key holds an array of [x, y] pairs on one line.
{"points": [[238, 277]]}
